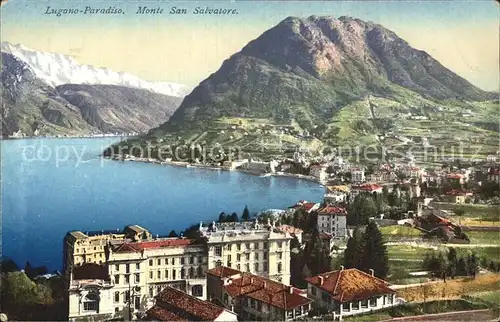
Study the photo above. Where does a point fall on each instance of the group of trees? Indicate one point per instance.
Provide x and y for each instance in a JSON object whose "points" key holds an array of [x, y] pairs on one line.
{"points": [[24, 298], [314, 259], [366, 250], [245, 216], [450, 265]]}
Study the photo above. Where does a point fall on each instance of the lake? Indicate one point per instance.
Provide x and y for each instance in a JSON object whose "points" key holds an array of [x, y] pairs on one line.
{"points": [[52, 186]]}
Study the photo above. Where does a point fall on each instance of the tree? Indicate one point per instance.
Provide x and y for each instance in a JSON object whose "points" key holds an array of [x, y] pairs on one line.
{"points": [[234, 217], [374, 252], [172, 234], [462, 267], [362, 208], [222, 217], [472, 265], [245, 216], [452, 262], [353, 251]]}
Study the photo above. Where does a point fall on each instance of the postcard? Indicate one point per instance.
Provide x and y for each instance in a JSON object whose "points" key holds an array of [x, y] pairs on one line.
{"points": [[250, 160]]}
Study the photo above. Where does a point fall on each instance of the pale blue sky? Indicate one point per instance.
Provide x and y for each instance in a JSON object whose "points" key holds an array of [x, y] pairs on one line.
{"points": [[463, 35]]}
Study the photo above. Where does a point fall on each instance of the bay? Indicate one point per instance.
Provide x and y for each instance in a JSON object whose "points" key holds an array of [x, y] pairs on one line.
{"points": [[52, 186]]}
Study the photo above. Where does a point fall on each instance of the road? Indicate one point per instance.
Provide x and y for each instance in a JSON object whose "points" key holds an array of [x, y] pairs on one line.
{"points": [[474, 315]]}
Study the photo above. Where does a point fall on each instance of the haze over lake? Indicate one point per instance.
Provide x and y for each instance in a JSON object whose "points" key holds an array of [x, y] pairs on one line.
{"points": [[43, 198]]}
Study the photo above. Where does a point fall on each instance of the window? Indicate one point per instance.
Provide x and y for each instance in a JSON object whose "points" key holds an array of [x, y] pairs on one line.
{"points": [[173, 274], [280, 244], [313, 290], [390, 298], [137, 278], [137, 302], [247, 256], [218, 251], [191, 260], [280, 255], [355, 305], [150, 262], [158, 274], [200, 260], [238, 257], [166, 261], [127, 297], [137, 266], [265, 245], [117, 268], [197, 290], [229, 257], [238, 246], [158, 262], [218, 263], [166, 274], [182, 260], [373, 301], [183, 273], [345, 307], [200, 271], [238, 267], [150, 292], [117, 279], [256, 267], [364, 303], [173, 261], [256, 256], [247, 267], [127, 279], [127, 268], [265, 255], [151, 275], [247, 246], [191, 272], [117, 297], [91, 302], [279, 267]]}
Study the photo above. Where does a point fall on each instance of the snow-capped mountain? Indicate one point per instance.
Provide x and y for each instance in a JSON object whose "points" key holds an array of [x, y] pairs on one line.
{"points": [[57, 69]]}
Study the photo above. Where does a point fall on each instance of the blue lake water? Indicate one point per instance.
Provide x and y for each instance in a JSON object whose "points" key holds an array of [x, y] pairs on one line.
{"points": [[52, 186]]}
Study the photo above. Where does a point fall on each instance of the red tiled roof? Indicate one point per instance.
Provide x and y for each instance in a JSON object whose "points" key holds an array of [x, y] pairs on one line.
{"points": [[172, 304], [138, 246], [454, 176], [330, 210], [290, 229], [91, 271], [265, 290], [157, 313], [368, 187], [308, 205], [351, 285], [222, 271]]}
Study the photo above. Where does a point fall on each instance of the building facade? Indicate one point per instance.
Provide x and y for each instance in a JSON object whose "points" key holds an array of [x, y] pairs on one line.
{"points": [[349, 292], [250, 247], [254, 297], [332, 220]]}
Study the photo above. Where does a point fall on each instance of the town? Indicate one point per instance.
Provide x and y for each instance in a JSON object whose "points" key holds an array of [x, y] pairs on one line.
{"points": [[387, 240]]}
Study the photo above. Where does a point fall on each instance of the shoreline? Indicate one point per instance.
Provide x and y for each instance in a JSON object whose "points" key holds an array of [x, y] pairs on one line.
{"points": [[184, 164]]}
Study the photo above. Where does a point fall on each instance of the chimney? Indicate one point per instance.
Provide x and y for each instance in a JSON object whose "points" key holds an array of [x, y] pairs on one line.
{"points": [[265, 284], [372, 272], [320, 280], [341, 267], [291, 289], [251, 280]]}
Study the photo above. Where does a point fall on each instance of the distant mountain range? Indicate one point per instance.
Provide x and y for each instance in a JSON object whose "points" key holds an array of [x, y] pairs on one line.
{"points": [[309, 81], [49, 93]]}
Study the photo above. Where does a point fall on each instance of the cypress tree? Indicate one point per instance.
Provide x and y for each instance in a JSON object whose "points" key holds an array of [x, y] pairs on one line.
{"points": [[245, 216], [353, 252], [374, 252]]}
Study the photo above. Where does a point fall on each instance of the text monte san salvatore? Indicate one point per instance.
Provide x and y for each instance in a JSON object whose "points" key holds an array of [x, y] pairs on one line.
{"points": [[174, 10]]}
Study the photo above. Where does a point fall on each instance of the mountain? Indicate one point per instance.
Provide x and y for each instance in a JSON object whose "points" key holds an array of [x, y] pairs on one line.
{"points": [[308, 82], [57, 69], [33, 106]]}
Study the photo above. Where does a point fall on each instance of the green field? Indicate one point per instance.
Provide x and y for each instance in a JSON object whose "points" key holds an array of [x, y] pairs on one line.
{"points": [[484, 237], [473, 214], [399, 230], [492, 297]]}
